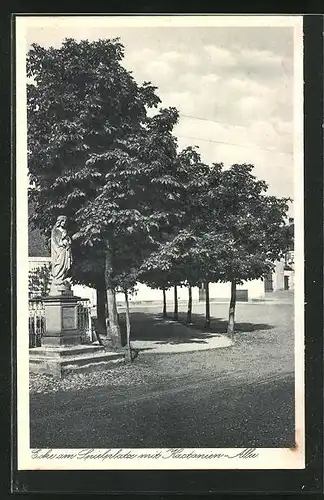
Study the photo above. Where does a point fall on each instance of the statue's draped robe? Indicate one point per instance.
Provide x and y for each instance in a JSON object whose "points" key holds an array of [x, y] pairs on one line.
{"points": [[61, 255]]}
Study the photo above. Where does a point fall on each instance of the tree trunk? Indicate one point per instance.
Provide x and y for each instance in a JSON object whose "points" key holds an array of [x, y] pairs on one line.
{"points": [[231, 316], [114, 329], [128, 355], [207, 322], [164, 304], [115, 308], [175, 313], [189, 312], [101, 308]]}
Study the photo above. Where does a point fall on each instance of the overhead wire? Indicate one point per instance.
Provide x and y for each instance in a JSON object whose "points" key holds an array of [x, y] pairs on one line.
{"points": [[224, 142]]}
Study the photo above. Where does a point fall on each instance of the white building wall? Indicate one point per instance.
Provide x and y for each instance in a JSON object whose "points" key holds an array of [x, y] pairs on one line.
{"points": [[278, 276], [255, 289], [219, 290], [144, 293], [291, 280]]}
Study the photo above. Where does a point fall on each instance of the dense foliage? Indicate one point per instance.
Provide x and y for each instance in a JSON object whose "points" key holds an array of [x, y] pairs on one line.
{"points": [[139, 209], [39, 281]]}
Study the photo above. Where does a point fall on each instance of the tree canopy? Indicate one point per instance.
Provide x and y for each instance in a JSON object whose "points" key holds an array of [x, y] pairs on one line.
{"points": [[95, 156], [81, 105], [139, 209]]}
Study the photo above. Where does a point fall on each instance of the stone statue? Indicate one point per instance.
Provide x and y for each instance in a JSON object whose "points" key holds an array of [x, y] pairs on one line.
{"points": [[61, 255]]}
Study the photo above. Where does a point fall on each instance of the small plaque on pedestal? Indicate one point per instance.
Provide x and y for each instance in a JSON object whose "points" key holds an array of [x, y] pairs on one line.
{"points": [[69, 318]]}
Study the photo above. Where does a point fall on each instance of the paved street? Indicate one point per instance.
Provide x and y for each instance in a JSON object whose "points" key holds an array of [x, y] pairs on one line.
{"points": [[232, 397]]}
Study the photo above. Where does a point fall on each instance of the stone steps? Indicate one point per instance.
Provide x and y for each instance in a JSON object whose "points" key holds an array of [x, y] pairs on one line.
{"points": [[92, 367], [59, 362], [66, 351]]}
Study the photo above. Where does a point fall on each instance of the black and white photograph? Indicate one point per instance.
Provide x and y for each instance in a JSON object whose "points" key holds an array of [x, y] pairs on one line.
{"points": [[159, 201]]}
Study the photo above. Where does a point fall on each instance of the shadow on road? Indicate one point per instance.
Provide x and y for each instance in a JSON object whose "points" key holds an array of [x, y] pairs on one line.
{"points": [[214, 415], [237, 397], [148, 326]]}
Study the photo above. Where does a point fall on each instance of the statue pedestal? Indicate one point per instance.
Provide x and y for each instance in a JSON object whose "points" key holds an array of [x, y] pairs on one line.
{"points": [[61, 319], [61, 352]]}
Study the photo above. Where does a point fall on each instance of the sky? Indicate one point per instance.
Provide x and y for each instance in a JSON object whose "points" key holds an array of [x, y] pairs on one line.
{"points": [[233, 87]]}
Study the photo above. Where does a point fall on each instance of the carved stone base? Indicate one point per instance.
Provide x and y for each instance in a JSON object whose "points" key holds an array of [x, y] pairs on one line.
{"points": [[61, 320]]}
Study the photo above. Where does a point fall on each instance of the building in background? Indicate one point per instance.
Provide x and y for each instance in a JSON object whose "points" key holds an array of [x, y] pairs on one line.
{"points": [[281, 279]]}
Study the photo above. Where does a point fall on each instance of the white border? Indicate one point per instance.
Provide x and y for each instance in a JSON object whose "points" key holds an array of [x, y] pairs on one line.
{"points": [[267, 458]]}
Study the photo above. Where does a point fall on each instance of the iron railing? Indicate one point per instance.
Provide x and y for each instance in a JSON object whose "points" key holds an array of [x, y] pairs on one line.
{"points": [[37, 326]]}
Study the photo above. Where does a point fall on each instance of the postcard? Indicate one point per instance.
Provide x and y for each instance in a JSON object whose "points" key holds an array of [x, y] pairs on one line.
{"points": [[160, 253]]}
